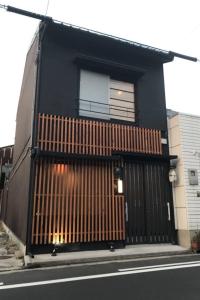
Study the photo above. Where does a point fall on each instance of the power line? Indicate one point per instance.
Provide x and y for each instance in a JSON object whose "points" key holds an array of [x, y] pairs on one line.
{"points": [[47, 7]]}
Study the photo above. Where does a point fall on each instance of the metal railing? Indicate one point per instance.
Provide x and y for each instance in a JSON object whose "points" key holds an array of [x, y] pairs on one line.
{"points": [[108, 110]]}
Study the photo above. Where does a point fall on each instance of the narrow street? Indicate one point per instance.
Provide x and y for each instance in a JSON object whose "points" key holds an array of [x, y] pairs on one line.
{"points": [[159, 278]]}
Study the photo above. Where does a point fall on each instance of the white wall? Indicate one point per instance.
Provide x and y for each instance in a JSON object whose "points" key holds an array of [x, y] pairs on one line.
{"points": [[190, 141], [184, 140], [179, 192]]}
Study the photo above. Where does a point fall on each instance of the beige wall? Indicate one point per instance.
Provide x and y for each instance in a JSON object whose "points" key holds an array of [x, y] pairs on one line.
{"points": [[184, 140], [179, 193], [180, 205]]}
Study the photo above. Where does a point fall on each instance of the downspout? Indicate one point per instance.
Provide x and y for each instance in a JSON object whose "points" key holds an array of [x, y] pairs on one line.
{"points": [[42, 30]]}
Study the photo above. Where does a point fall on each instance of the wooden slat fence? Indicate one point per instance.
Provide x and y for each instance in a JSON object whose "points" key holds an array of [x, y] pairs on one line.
{"points": [[75, 202], [80, 136]]}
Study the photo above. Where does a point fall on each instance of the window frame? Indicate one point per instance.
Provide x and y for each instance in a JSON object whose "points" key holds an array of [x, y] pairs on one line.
{"points": [[110, 117]]}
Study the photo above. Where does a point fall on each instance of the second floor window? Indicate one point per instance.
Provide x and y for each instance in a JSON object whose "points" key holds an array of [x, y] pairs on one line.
{"points": [[106, 98]]}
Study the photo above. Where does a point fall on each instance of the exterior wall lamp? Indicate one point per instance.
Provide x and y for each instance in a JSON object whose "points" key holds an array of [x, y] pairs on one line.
{"points": [[172, 175], [120, 186], [119, 180]]}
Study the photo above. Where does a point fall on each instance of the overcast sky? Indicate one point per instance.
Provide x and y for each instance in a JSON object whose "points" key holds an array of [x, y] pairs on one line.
{"points": [[167, 24]]}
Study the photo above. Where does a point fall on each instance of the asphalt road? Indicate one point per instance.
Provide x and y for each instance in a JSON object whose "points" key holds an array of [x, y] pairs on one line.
{"points": [[166, 278]]}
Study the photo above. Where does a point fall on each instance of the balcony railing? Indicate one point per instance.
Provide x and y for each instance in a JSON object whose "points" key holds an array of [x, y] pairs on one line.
{"points": [[90, 137], [107, 111]]}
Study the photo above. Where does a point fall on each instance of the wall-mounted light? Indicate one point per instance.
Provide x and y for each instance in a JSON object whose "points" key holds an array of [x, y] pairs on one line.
{"points": [[172, 175], [118, 172], [120, 186]]}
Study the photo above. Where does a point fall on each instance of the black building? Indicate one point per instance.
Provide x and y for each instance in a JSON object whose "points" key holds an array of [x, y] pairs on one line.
{"points": [[91, 156]]}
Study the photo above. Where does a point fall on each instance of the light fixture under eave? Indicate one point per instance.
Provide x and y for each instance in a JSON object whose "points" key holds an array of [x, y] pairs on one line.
{"points": [[120, 186]]}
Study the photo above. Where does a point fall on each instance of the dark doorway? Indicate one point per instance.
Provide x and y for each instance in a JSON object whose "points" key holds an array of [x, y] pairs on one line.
{"points": [[149, 213]]}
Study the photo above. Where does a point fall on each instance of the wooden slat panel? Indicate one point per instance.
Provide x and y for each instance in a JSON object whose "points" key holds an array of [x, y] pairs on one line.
{"points": [[106, 199], [159, 143], [63, 210], [35, 201], [74, 205], [96, 202], [110, 183], [71, 186], [85, 203], [60, 178], [103, 200], [113, 205], [51, 206], [82, 203], [120, 212], [94, 137], [38, 204], [99, 202], [67, 182], [89, 203], [77, 230], [55, 203], [75, 202], [42, 131], [47, 206], [92, 201]]}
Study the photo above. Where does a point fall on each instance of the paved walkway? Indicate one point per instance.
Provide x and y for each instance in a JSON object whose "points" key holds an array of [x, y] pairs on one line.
{"points": [[130, 252]]}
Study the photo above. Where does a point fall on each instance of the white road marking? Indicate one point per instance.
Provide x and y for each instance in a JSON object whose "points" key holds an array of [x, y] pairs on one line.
{"points": [[1, 283], [159, 266], [115, 274]]}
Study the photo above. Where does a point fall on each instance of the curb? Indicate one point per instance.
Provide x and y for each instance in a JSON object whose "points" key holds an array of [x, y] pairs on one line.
{"points": [[31, 264]]}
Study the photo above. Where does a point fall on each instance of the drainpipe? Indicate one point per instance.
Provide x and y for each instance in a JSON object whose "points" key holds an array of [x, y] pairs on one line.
{"points": [[42, 30]]}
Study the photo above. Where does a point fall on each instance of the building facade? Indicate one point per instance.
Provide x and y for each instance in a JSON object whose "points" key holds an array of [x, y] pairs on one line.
{"points": [[184, 134], [91, 150]]}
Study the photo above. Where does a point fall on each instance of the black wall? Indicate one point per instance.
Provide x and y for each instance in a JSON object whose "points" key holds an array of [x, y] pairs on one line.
{"points": [[26, 104], [66, 50], [15, 201]]}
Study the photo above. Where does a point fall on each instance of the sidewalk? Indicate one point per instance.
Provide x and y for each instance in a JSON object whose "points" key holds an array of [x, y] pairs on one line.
{"points": [[11, 257], [130, 252]]}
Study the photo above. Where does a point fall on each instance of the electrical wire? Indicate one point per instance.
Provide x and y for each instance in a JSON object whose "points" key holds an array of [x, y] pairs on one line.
{"points": [[47, 7]]}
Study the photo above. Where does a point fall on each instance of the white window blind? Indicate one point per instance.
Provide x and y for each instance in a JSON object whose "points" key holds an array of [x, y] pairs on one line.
{"points": [[94, 93]]}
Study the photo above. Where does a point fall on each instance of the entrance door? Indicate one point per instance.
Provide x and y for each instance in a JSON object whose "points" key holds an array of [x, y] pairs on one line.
{"points": [[149, 214]]}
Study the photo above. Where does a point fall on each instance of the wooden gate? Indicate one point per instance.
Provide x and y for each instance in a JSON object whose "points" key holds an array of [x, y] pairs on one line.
{"points": [[75, 202], [149, 203]]}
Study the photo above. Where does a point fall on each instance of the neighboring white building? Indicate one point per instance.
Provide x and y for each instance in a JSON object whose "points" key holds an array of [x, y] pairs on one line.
{"points": [[184, 140]]}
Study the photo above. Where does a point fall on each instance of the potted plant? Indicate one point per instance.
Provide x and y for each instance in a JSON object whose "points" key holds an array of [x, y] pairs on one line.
{"points": [[195, 242]]}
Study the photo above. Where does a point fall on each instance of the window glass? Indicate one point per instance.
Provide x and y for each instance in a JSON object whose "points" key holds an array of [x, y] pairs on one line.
{"points": [[122, 100], [106, 98], [121, 85], [118, 94]]}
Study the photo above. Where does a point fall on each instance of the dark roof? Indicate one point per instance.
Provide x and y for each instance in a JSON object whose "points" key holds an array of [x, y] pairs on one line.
{"points": [[164, 55], [153, 51]]}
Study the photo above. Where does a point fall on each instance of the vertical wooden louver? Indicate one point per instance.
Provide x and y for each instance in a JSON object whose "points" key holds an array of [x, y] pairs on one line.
{"points": [[75, 202], [78, 136]]}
